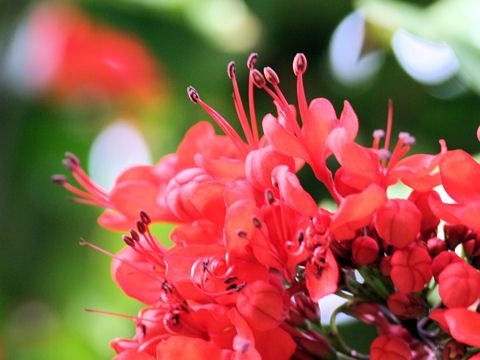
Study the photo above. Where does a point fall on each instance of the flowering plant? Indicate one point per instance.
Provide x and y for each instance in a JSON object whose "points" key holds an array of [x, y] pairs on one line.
{"points": [[253, 253]]}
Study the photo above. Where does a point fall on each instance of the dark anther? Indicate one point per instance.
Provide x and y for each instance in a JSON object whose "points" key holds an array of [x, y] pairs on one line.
{"points": [[166, 287], [231, 69], [231, 287], [258, 78], [299, 64], [205, 265], [271, 75], [245, 348], [72, 158], [256, 222], [68, 164], [300, 237], [230, 279], [144, 329], [252, 59], [128, 240], [269, 196], [134, 235], [145, 218], [193, 94], [175, 319], [59, 179], [142, 229], [239, 288], [241, 233]]}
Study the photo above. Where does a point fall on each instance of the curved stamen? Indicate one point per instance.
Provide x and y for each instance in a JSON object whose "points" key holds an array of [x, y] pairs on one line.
{"points": [[237, 99]]}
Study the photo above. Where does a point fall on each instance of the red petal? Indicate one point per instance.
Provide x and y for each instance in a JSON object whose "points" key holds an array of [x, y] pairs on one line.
{"points": [[292, 192], [349, 120], [464, 325], [188, 348], [464, 188], [281, 139], [133, 282], [356, 211], [321, 121], [325, 283]]}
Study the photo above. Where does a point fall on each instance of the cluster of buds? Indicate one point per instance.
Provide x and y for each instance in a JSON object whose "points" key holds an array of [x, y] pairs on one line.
{"points": [[253, 253]]}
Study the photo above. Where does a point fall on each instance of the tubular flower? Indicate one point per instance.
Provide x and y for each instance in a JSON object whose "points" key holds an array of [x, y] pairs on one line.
{"points": [[252, 252]]}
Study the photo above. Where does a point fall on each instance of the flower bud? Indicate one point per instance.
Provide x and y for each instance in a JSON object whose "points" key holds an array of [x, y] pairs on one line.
{"points": [[364, 250], [366, 312], [387, 347], [386, 265], [459, 285], [406, 306], [308, 308], [398, 222], [429, 220], [453, 350], [436, 246], [442, 260], [411, 269], [454, 234]]}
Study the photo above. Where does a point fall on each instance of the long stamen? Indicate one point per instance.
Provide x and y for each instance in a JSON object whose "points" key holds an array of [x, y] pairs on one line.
{"points": [[389, 129], [136, 318], [272, 77], [224, 125], [237, 99], [251, 105], [299, 67], [129, 263]]}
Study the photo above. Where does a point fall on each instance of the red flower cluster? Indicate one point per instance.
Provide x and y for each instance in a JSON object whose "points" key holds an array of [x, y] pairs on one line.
{"points": [[253, 252]]}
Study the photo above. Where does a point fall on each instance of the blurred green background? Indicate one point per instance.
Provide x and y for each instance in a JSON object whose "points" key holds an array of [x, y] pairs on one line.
{"points": [[424, 55]]}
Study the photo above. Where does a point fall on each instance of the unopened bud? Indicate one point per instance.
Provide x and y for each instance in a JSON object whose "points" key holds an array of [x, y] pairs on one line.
{"points": [[364, 250], [454, 234], [436, 246], [453, 350], [308, 308], [406, 306]]}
